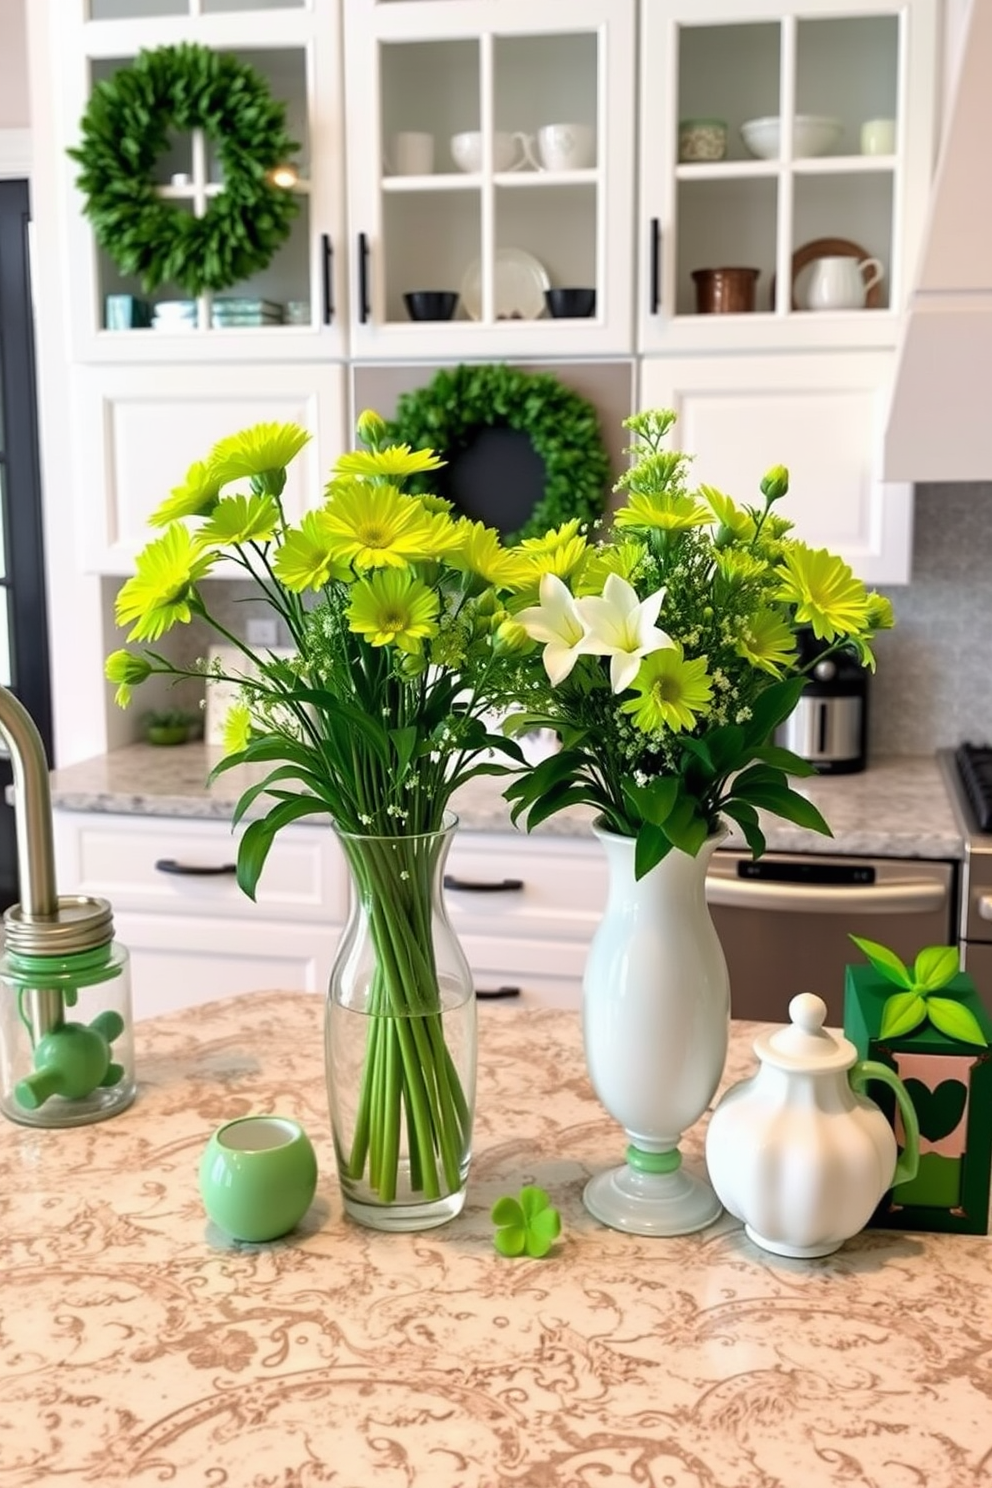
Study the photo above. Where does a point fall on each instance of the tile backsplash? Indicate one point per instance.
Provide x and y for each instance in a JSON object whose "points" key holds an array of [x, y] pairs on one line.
{"points": [[933, 685]]}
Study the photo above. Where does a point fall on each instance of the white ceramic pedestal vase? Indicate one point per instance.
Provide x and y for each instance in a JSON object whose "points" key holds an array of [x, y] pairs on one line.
{"points": [[656, 1019]]}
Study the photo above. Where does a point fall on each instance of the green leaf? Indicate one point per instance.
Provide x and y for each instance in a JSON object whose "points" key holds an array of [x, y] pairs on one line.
{"points": [[785, 760], [903, 1012], [884, 961], [781, 801], [747, 819], [935, 966], [957, 1021], [652, 802], [511, 1240], [254, 846], [507, 1211], [653, 844]]}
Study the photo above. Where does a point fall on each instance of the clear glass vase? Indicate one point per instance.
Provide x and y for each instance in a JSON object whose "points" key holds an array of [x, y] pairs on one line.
{"points": [[400, 1038]]}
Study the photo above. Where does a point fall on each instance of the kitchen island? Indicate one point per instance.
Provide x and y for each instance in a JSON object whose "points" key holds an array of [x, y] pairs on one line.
{"points": [[139, 1345]]}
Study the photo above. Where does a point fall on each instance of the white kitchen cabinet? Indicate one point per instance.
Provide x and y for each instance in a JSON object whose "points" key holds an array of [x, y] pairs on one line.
{"points": [[821, 414], [191, 932], [121, 413], [296, 48], [512, 220], [850, 60], [525, 909]]}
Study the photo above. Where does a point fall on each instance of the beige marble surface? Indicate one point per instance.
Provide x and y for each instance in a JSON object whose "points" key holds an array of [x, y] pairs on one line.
{"points": [[138, 1345], [898, 807]]}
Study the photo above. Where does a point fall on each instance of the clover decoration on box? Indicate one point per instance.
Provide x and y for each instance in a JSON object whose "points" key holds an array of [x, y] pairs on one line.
{"points": [[928, 1023]]}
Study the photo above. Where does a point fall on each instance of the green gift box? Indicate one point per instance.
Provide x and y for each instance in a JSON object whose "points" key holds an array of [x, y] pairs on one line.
{"points": [[950, 1084]]}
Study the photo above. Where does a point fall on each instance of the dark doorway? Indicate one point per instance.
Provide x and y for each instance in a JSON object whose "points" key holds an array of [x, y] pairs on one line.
{"points": [[23, 618]]}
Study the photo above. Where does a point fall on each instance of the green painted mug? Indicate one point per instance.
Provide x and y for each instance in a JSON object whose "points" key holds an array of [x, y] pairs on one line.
{"points": [[258, 1176]]}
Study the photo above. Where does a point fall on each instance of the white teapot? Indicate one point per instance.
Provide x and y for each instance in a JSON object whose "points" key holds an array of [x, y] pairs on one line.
{"points": [[796, 1151]]}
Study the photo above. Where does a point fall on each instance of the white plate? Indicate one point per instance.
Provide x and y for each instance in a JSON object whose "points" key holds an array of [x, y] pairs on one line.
{"points": [[520, 282]]}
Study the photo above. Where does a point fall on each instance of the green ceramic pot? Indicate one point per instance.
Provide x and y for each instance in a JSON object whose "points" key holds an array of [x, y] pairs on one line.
{"points": [[258, 1177]]}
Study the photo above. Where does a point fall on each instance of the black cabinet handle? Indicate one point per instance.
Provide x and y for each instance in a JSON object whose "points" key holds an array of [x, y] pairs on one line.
{"points": [[491, 993], [363, 278], [327, 271], [194, 870], [655, 266], [469, 886]]}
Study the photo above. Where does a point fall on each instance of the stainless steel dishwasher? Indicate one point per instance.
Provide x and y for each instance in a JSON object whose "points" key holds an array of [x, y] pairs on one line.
{"points": [[785, 921]]}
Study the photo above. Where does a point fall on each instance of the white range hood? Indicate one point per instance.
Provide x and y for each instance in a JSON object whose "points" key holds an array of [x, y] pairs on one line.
{"points": [[940, 417]]}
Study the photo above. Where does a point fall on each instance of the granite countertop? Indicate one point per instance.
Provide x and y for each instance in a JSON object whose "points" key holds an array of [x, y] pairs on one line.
{"points": [[898, 807], [140, 1345]]}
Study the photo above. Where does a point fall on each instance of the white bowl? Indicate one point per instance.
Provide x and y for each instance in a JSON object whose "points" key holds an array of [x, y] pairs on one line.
{"points": [[466, 150], [813, 135]]}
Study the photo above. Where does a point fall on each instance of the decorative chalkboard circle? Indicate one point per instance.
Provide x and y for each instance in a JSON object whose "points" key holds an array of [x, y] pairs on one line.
{"points": [[453, 410], [124, 130]]}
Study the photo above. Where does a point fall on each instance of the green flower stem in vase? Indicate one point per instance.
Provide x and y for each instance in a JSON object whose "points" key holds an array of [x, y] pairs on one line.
{"points": [[400, 1038]]}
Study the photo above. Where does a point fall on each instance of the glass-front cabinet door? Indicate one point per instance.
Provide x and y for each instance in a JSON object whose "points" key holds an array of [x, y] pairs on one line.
{"points": [[785, 164], [490, 176], [292, 305]]}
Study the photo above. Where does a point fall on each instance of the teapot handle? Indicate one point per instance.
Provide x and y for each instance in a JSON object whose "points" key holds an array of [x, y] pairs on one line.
{"points": [[908, 1163]]}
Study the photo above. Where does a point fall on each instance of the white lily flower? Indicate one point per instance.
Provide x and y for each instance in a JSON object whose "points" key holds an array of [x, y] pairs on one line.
{"points": [[555, 621], [621, 626]]}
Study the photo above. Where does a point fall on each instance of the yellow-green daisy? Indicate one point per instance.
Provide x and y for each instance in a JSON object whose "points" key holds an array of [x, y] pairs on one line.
{"points": [[391, 607], [671, 692], [563, 560], [127, 670], [666, 511], [263, 449], [375, 526], [730, 518], [824, 591], [768, 643], [396, 460], [195, 497], [158, 595], [622, 558], [554, 538], [236, 732], [306, 557], [239, 519], [481, 553]]}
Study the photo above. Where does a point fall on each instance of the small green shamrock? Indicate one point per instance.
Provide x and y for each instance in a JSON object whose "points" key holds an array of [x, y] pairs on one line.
{"points": [[933, 968], [525, 1224]]}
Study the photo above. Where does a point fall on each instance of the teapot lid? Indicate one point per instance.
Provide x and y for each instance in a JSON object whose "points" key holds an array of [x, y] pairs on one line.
{"points": [[804, 1043]]}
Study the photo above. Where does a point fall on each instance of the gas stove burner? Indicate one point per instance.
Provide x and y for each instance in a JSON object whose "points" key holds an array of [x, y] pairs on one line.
{"points": [[974, 763]]}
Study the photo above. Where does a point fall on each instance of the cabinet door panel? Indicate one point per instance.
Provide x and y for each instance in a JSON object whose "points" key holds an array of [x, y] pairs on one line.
{"points": [[822, 417], [138, 429], [181, 962]]}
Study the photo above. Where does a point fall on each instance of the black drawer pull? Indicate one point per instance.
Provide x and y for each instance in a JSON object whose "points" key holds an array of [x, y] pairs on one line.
{"points": [[491, 993], [193, 870], [469, 886]]}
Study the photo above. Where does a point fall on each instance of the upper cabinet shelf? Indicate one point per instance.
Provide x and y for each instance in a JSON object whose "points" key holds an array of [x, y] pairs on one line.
{"points": [[491, 159], [782, 140], [295, 306]]}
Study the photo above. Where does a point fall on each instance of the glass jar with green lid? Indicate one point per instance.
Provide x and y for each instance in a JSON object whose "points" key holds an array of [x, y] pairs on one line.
{"points": [[66, 1028]]}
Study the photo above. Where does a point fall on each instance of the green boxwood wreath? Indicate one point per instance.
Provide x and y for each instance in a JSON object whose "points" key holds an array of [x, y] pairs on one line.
{"points": [[448, 413], [126, 127]]}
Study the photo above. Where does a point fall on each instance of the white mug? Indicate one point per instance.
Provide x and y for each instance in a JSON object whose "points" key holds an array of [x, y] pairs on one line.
{"points": [[510, 151], [878, 137], [563, 147], [839, 283], [411, 153]]}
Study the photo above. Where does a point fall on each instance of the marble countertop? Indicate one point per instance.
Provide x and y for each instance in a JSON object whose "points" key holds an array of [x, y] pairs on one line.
{"points": [[140, 1345], [898, 807]]}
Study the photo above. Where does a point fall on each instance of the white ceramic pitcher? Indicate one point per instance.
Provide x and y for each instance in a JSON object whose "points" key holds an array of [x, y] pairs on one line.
{"points": [[842, 283]]}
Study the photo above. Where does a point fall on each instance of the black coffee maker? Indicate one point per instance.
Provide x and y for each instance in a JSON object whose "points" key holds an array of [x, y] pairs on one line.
{"points": [[829, 725]]}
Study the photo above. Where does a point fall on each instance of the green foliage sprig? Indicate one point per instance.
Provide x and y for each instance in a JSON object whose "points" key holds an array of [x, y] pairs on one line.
{"points": [[563, 428], [126, 127], [932, 971]]}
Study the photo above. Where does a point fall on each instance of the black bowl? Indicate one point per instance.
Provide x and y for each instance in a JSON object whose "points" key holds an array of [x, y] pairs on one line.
{"points": [[430, 304], [565, 303]]}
